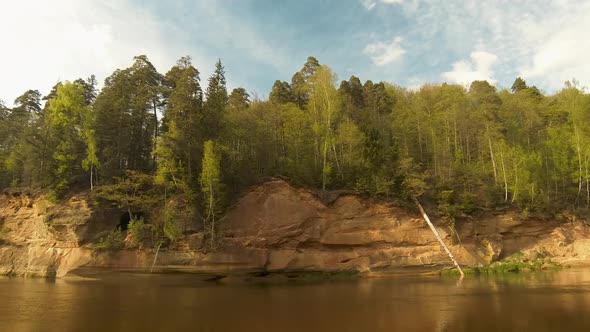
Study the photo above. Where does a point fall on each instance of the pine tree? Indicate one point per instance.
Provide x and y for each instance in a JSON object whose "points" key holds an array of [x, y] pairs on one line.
{"points": [[215, 103]]}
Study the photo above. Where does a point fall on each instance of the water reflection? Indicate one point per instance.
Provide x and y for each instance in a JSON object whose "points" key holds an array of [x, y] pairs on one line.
{"points": [[524, 302]]}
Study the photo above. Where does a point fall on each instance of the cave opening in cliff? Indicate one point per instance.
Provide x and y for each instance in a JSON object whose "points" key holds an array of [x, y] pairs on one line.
{"points": [[125, 219]]}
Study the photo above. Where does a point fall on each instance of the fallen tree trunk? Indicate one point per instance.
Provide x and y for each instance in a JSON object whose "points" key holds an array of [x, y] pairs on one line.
{"points": [[440, 240], [155, 257]]}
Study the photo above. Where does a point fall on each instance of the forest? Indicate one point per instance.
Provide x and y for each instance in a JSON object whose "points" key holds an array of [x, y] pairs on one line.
{"points": [[153, 138]]}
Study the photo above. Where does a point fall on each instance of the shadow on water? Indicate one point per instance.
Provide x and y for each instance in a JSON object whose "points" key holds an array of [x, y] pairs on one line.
{"points": [[556, 301]]}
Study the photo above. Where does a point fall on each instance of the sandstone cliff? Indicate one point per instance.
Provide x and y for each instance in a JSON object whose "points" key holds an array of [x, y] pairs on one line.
{"points": [[276, 227]]}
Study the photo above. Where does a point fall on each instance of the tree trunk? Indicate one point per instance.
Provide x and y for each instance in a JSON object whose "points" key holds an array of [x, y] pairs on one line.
{"points": [[91, 184], [515, 191], [578, 149], [324, 163], [434, 154], [155, 109], [336, 160], [440, 240], [420, 143], [155, 257], [505, 179], [493, 159]]}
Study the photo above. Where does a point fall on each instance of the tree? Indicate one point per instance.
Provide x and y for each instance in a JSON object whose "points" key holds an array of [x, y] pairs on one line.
{"points": [[135, 192], [518, 85], [351, 92], [459, 147], [215, 104], [239, 99], [126, 119], [302, 80], [324, 106], [70, 122], [310, 67], [211, 189], [4, 145], [179, 147], [89, 86], [375, 97], [486, 100], [20, 127], [281, 93], [299, 90]]}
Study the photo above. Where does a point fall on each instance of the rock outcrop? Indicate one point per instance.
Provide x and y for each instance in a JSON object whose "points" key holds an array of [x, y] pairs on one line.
{"points": [[276, 227]]}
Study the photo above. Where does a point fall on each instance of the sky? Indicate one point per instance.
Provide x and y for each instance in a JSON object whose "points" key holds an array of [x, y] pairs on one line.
{"points": [[406, 42]]}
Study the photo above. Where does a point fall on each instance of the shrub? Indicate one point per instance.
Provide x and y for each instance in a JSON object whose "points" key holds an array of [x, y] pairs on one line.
{"points": [[141, 233], [172, 230], [512, 264], [114, 240]]}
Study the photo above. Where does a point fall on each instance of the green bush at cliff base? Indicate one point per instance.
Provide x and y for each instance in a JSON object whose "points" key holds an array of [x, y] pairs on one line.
{"points": [[513, 264], [142, 234], [114, 240]]}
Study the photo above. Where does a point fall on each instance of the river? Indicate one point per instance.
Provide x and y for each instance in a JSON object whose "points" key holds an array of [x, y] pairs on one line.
{"points": [[548, 301]]}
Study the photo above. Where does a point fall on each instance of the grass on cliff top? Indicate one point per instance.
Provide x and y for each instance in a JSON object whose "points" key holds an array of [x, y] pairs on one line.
{"points": [[512, 264]]}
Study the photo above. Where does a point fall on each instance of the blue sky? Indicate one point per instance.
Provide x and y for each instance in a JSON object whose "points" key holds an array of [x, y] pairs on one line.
{"points": [[407, 42]]}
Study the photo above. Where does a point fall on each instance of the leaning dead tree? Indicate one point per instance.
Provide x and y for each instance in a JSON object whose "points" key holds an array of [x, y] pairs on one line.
{"points": [[440, 240]]}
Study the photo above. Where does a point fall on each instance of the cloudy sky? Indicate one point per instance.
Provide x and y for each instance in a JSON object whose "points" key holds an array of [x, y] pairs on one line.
{"points": [[407, 42]]}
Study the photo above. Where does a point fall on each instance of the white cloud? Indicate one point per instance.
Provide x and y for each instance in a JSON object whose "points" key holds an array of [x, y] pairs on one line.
{"points": [[479, 68], [558, 50], [232, 30], [370, 4], [544, 41], [48, 41], [383, 53]]}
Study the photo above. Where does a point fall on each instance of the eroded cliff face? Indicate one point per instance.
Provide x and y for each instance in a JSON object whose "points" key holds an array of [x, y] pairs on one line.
{"points": [[44, 239], [299, 232], [276, 227]]}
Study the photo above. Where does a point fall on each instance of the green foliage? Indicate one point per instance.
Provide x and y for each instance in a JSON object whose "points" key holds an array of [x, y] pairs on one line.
{"points": [[178, 148], [147, 137], [210, 179], [133, 191], [211, 190], [70, 122], [125, 117], [518, 85], [452, 206], [281, 93], [172, 229], [445, 203], [142, 234], [512, 264], [113, 240], [216, 101]]}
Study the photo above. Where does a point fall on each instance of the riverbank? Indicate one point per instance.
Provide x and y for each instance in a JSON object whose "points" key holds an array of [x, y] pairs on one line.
{"points": [[276, 227]]}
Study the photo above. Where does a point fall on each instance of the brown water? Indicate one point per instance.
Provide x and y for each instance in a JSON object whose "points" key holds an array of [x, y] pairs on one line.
{"points": [[558, 301]]}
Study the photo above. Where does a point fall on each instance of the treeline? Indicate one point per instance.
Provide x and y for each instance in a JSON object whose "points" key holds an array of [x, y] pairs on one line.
{"points": [[461, 148]]}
